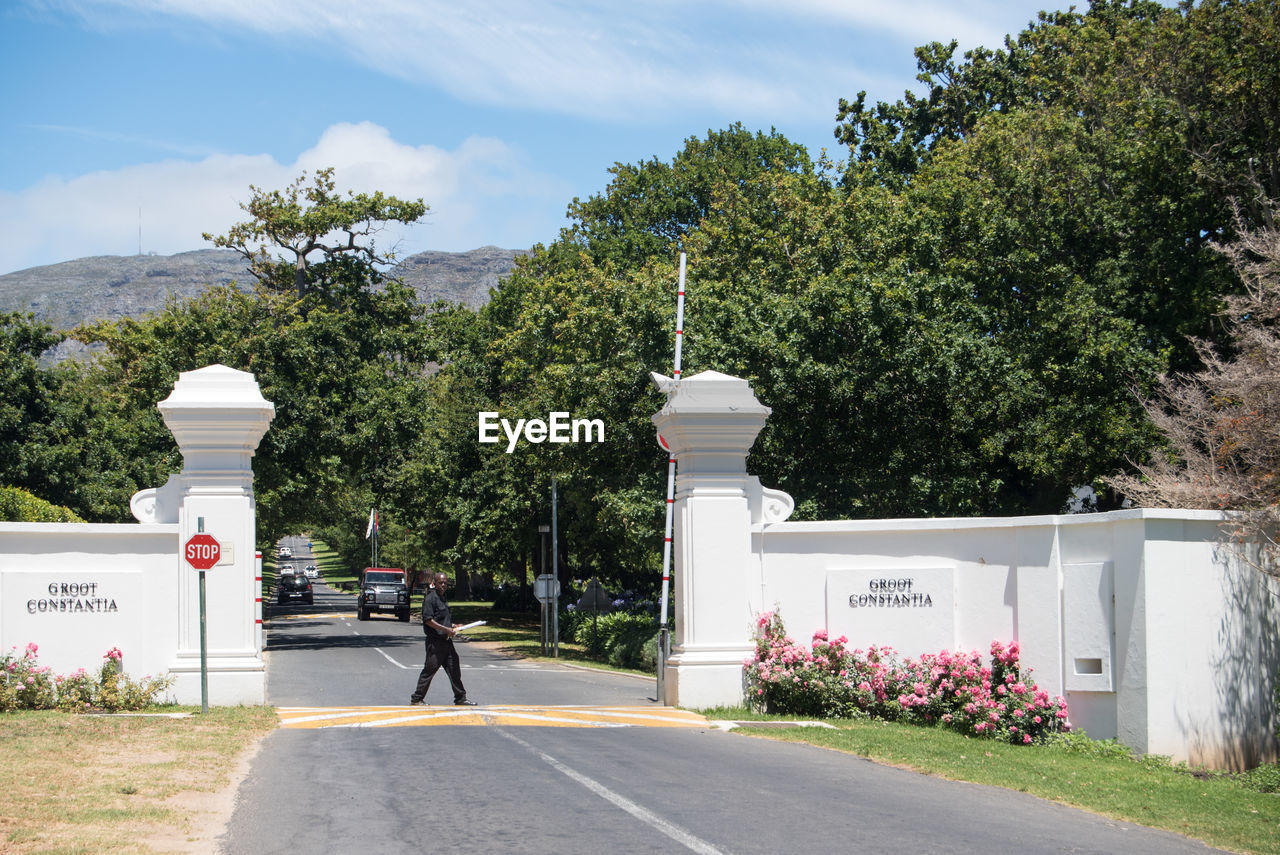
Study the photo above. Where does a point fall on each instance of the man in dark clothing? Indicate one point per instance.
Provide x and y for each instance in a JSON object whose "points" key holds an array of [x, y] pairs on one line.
{"points": [[437, 623]]}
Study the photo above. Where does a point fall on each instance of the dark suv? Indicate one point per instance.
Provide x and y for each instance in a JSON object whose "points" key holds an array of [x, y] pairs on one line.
{"points": [[294, 586], [383, 589]]}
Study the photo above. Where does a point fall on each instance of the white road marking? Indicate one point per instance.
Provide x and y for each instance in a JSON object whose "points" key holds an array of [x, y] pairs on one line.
{"points": [[675, 832], [392, 661]]}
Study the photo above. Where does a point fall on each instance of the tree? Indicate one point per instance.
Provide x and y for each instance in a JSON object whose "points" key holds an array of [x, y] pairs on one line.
{"points": [[576, 328], [1076, 179], [30, 393], [60, 437], [1221, 424], [343, 361], [18, 505], [347, 382], [649, 206], [302, 220]]}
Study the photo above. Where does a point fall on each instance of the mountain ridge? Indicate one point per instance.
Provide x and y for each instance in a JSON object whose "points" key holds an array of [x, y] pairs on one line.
{"points": [[112, 287]]}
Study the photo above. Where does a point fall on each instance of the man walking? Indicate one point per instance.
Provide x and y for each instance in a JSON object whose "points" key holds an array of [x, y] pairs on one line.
{"points": [[437, 623]]}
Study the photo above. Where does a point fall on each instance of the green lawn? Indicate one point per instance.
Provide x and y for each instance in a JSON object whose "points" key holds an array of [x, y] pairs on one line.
{"points": [[1099, 777]]}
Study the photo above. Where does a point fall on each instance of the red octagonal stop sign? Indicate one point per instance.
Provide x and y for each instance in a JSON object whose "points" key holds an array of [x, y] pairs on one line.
{"points": [[202, 551]]}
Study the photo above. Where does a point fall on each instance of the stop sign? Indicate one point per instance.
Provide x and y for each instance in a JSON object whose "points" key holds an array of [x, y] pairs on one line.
{"points": [[202, 551]]}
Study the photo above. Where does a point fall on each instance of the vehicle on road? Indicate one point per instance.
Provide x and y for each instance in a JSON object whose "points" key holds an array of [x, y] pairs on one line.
{"points": [[285, 552], [383, 589], [295, 586], [287, 570], [310, 571]]}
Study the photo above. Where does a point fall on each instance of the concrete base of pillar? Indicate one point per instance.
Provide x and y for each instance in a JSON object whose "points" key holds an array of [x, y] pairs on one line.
{"points": [[705, 677], [238, 681]]}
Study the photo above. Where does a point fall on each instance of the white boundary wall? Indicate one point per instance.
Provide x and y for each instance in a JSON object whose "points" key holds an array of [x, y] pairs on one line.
{"points": [[77, 590], [1154, 631]]}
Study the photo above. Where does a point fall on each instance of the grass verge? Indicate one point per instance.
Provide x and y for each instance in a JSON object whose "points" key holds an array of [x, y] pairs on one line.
{"points": [[87, 784], [1149, 791]]}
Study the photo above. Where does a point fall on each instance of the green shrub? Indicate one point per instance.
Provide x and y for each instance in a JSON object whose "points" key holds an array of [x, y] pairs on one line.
{"points": [[571, 621], [17, 505], [1078, 742], [624, 639], [1264, 779]]}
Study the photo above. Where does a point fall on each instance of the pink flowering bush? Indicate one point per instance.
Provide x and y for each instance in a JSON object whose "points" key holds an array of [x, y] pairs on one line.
{"points": [[953, 689], [24, 683], [27, 685]]}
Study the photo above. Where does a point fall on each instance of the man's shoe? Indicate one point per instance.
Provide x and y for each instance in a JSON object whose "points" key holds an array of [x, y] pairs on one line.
{"points": [[414, 703], [463, 702]]}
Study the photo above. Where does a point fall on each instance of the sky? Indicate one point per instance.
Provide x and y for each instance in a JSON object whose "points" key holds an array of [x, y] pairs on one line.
{"points": [[138, 125]]}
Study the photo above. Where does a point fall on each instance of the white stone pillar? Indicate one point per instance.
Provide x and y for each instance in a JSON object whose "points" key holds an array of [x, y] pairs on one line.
{"points": [[218, 416], [710, 423]]}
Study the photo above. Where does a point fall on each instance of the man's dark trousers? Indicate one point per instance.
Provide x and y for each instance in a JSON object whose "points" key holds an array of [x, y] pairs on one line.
{"points": [[440, 654]]}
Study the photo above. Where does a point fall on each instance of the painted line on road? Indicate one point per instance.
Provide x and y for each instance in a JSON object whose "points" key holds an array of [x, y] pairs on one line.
{"points": [[675, 832], [392, 661], [311, 718]]}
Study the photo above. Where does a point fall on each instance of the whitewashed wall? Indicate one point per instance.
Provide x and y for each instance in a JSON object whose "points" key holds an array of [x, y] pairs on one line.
{"points": [[76, 590], [1155, 632]]}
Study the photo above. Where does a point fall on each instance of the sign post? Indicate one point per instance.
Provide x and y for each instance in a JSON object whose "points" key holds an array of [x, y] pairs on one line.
{"points": [[546, 589], [555, 571], [202, 551]]}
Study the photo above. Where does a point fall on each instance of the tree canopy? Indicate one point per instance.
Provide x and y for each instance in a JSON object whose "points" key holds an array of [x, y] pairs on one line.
{"points": [[303, 220], [952, 319]]}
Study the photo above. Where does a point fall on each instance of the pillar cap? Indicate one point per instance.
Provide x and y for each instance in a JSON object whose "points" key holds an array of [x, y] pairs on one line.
{"points": [[708, 391], [216, 386]]}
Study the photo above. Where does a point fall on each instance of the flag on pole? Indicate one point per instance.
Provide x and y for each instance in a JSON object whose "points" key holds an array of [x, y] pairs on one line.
{"points": [[373, 524]]}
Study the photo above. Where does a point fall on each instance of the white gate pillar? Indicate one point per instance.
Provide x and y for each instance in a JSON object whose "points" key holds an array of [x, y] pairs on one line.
{"points": [[218, 416], [710, 422]]}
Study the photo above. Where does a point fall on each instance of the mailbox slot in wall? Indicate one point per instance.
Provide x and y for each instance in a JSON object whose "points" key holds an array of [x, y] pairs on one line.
{"points": [[1088, 626]]}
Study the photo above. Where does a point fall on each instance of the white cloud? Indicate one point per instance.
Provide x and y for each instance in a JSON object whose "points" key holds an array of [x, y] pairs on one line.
{"points": [[973, 23], [600, 58], [469, 191]]}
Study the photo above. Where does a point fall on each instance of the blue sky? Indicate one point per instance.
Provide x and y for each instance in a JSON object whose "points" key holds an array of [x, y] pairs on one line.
{"points": [[497, 113]]}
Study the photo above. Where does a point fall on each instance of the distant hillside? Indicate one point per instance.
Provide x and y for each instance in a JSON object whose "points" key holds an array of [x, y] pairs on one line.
{"points": [[110, 287]]}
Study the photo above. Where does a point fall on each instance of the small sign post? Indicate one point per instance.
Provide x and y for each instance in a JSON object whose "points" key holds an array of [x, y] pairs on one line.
{"points": [[202, 551]]}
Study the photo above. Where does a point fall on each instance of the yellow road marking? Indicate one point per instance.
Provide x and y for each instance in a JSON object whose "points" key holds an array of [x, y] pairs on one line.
{"points": [[500, 715]]}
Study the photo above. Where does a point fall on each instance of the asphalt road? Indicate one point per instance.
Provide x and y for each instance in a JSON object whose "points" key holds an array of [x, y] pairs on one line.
{"points": [[488, 786]]}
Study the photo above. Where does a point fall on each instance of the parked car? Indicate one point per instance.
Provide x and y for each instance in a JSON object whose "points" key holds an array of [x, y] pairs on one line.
{"points": [[383, 589], [310, 571], [295, 586]]}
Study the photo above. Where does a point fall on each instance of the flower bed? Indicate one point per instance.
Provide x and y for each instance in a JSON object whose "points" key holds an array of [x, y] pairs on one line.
{"points": [[953, 689], [25, 684]]}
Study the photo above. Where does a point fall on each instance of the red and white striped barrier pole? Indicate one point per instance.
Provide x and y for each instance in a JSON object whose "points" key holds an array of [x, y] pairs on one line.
{"points": [[257, 618], [663, 638]]}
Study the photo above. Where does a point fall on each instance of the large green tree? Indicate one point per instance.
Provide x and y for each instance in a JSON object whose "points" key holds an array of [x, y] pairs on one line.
{"points": [[951, 322], [344, 362], [310, 236]]}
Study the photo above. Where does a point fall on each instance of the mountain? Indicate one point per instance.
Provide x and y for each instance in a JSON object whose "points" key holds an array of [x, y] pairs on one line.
{"points": [[111, 287]]}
